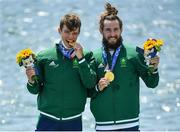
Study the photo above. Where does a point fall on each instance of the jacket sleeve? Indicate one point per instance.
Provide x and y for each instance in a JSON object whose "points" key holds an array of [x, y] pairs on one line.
{"points": [[92, 93], [87, 70], [33, 88], [151, 79], [37, 86]]}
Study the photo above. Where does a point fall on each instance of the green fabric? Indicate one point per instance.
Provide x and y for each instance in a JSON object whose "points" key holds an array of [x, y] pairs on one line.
{"points": [[63, 83], [120, 100]]}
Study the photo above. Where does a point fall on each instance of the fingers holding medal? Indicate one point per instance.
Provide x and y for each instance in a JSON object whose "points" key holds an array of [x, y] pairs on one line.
{"points": [[104, 82]]}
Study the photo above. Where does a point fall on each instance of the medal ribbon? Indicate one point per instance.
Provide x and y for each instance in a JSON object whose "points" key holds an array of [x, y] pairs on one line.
{"points": [[114, 59], [69, 53]]}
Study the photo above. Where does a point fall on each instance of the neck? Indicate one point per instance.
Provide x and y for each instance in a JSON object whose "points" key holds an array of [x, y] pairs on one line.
{"points": [[111, 49]]}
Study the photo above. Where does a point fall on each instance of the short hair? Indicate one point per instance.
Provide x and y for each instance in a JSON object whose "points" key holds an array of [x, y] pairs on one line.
{"points": [[110, 13], [72, 21]]}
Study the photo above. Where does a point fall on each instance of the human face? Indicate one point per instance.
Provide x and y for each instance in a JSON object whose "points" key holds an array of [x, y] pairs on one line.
{"points": [[69, 37], [111, 31]]}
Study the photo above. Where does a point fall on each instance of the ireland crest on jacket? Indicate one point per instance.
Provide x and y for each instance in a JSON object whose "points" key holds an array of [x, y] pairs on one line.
{"points": [[123, 62], [75, 63]]}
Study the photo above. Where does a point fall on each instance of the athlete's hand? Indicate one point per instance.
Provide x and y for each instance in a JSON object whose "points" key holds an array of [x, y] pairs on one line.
{"points": [[78, 51], [30, 72], [154, 62], [103, 83]]}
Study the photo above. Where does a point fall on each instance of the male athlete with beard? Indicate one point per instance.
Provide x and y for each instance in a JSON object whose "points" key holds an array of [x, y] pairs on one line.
{"points": [[115, 99]]}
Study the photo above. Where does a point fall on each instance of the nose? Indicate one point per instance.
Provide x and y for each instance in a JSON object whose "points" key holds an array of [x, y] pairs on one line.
{"points": [[112, 34], [71, 36]]}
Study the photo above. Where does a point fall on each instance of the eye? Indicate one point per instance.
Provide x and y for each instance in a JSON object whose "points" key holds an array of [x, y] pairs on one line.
{"points": [[30, 61], [26, 63], [107, 29], [66, 31], [75, 33], [116, 29]]}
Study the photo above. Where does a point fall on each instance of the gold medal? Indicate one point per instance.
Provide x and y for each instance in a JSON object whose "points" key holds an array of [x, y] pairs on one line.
{"points": [[109, 76], [72, 44]]}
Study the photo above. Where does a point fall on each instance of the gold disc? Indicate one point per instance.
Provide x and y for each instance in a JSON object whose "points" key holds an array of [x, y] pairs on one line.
{"points": [[109, 76], [72, 43]]}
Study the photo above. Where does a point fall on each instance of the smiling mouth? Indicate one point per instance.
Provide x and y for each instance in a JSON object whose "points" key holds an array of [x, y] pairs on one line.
{"points": [[112, 38]]}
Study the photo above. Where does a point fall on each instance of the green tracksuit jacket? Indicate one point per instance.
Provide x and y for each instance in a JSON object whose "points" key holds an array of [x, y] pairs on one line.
{"points": [[119, 102], [63, 83]]}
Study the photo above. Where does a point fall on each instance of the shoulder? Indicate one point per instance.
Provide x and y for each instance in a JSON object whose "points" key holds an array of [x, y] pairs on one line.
{"points": [[97, 53], [133, 55], [130, 50], [47, 53]]}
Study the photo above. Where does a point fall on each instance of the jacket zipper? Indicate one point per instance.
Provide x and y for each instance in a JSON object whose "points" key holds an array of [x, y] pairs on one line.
{"points": [[62, 92], [114, 110]]}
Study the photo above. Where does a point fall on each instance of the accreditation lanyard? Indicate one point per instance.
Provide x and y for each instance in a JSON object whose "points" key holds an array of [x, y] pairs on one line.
{"points": [[69, 53], [114, 58]]}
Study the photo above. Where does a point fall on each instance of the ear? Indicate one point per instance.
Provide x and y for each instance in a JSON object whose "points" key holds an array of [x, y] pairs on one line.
{"points": [[100, 30], [79, 31], [59, 30]]}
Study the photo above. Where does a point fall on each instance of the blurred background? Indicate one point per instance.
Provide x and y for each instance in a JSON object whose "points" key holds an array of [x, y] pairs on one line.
{"points": [[33, 24]]}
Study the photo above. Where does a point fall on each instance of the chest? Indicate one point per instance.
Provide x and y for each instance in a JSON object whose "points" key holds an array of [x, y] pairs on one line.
{"points": [[123, 69], [60, 69]]}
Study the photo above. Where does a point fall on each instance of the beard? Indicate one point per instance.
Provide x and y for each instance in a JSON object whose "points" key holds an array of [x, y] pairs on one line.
{"points": [[112, 45]]}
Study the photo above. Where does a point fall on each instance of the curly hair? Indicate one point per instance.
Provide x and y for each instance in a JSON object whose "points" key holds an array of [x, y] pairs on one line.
{"points": [[110, 13], [72, 21]]}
